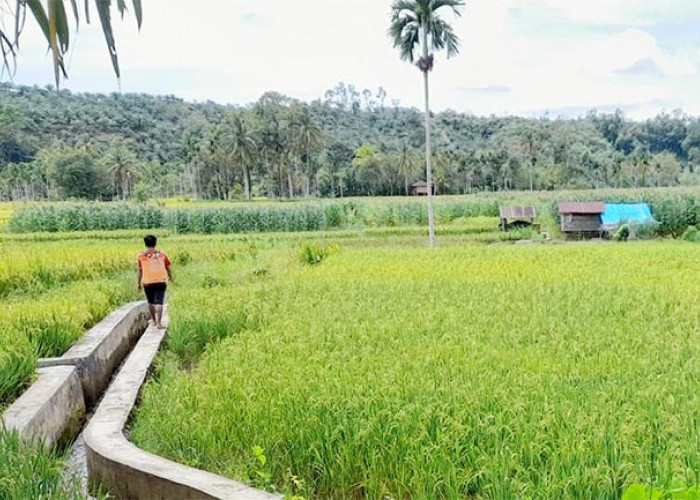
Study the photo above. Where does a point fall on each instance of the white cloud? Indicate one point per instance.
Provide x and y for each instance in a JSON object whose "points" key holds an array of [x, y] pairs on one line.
{"points": [[235, 51]]}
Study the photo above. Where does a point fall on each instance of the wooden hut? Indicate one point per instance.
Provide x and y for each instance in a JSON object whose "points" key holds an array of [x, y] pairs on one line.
{"points": [[581, 220], [420, 188], [516, 216]]}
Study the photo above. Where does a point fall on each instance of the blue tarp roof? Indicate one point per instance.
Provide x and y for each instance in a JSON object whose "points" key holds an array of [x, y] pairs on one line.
{"points": [[619, 213]]}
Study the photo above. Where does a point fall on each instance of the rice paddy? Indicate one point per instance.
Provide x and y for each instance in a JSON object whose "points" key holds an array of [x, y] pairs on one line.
{"points": [[477, 372]]}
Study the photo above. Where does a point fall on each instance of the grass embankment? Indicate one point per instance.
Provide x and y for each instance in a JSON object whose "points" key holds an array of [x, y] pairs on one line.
{"points": [[562, 372]]}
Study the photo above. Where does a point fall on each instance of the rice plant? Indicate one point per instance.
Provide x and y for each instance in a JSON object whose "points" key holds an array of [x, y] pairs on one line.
{"points": [[29, 471], [538, 372]]}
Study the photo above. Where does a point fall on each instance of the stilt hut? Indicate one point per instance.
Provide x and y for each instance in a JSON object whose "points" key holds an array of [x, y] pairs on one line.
{"points": [[420, 188], [581, 219], [516, 217]]}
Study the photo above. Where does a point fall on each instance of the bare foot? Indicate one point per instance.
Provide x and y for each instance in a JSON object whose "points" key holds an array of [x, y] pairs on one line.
{"points": [[160, 327]]}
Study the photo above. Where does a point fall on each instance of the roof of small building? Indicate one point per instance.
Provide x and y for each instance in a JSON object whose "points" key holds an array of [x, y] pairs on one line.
{"points": [[514, 212], [582, 208], [420, 184]]}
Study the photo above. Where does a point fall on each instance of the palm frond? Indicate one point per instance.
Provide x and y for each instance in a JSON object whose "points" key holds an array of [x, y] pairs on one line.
{"points": [[76, 12], [103, 10], [444, 36], [455, 5], [52, 18], [399, 7], [404, 31], [138, 12], [410, 17]]}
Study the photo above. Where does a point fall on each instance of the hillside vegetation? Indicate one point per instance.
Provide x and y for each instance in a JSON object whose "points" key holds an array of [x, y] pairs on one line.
{"points": [[57, 145]]}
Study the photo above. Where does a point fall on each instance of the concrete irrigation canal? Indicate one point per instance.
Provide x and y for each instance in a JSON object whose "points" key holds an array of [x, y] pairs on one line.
{"points": [[100, 377]]}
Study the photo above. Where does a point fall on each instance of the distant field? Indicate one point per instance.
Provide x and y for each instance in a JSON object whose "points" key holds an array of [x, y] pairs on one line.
{"points": [[499, 196], [566, 371]]}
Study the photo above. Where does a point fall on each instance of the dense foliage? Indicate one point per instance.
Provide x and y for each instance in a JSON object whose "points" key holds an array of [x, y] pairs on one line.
{"points": [[56, 145]]}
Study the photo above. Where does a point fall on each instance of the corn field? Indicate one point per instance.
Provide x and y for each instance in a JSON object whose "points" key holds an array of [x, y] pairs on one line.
{"points": [[674, 208]]}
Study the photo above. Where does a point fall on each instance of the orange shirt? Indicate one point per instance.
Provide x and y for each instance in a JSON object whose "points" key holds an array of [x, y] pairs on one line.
{"points": [[154, 267]]}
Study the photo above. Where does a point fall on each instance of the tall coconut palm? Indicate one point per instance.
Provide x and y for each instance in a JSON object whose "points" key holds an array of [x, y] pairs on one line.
{"points": [[122, 164], [243, 147], [307, 138], [416, 26]]}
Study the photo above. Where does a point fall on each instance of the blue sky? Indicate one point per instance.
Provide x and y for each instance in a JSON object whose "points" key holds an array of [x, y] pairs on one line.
{"points": [[526, 57]]}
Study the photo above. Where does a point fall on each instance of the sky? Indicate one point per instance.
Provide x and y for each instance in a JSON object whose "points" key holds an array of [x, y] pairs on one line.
{"points": [[524, 57]]}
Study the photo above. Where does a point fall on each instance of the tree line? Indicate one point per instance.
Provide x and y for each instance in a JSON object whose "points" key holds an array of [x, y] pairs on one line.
{"points": [[59, 145]]}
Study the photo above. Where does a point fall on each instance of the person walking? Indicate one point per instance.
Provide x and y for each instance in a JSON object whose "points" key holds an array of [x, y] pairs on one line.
{"points": [[153, 277]]}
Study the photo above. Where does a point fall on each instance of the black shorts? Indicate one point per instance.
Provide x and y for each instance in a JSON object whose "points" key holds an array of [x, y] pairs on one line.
{"points": [[155, 293]]}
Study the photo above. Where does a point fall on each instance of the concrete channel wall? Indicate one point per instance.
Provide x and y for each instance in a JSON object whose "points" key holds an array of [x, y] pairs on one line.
{"points": [[127, 472], [103, 348], [53, 408]]}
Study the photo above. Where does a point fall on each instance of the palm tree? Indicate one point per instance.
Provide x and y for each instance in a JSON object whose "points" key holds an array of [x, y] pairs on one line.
{"points": [[417, 26], [308, 138], [53, 21], [122, 165], [241, 143], [406, 163]]}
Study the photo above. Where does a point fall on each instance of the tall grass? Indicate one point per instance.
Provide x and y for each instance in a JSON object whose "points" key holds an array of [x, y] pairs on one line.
{"points": [[28, 471], [539, 372]]}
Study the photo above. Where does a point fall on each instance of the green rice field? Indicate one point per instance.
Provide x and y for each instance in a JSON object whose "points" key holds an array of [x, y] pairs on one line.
{"points": [[354, 363], [564, 371]]}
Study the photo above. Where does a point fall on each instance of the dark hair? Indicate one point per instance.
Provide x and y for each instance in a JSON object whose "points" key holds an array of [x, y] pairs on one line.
{"points": [[150, 241]]}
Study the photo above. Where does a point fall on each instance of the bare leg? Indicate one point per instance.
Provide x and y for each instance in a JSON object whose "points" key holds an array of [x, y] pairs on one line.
{"points": [[152, 310], [159, 317]]}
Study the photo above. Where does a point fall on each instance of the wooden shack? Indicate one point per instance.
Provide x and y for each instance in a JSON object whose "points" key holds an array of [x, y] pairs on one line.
{"points": [[514, 216], [581, 219], [420, 188]]}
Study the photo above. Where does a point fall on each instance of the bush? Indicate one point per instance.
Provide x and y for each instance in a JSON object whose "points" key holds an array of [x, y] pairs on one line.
{"points": [[690, 234], [313, 253], [623, 233]]}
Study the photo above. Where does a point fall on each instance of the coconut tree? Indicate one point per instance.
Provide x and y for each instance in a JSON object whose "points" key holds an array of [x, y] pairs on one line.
{"points": [[307, 138], [122, 165], [52, 17], [241, 142], [417, 28]]}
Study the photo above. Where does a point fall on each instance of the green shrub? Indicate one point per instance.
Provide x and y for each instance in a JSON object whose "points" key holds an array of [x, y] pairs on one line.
{"points": [[313, 253], [623, 233], [690, 234]]}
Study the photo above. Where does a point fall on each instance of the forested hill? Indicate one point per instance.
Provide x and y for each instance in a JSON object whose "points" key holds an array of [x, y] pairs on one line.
{"points": [[63, 145]]}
